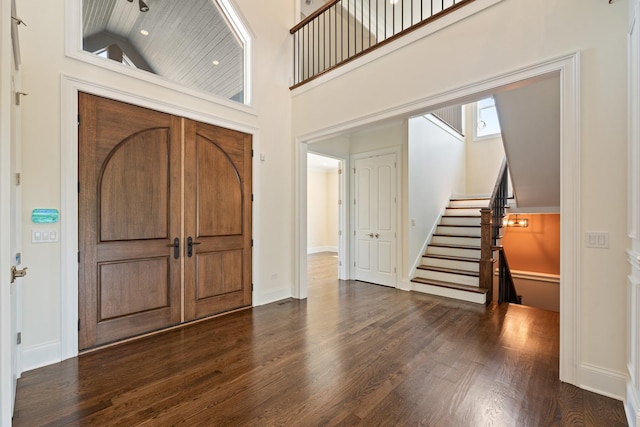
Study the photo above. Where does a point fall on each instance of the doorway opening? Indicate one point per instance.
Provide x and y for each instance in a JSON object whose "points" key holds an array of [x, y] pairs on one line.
{"points": [[325, 218]]}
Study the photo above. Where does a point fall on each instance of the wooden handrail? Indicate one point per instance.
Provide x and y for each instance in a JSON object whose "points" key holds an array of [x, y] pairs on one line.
{"points": [[314, 15], [496, 187]]}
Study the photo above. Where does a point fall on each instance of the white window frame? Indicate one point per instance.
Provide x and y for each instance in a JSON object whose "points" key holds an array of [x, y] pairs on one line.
{"points": [[476, 115]]}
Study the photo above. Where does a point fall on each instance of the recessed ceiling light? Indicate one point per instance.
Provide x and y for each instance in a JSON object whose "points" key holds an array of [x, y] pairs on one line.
{"points": [[144, 32], [216, 62]]}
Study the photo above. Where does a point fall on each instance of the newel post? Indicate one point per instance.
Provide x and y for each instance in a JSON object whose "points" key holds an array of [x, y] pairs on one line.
{"points": [[486, 253]]}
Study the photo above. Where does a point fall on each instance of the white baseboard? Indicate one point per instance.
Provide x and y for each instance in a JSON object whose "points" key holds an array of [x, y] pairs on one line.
{"points": [[449, 293], [631, 406], [603, 381], [319, 249], [41, 355], [405, 285], [270, 296]]}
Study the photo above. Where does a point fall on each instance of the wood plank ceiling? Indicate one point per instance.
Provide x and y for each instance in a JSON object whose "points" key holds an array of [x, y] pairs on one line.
{"points": [[188, 42]]}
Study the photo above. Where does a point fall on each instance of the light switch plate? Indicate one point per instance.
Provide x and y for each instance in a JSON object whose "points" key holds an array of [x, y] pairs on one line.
{"points": [[40, 235], [597, 239]]}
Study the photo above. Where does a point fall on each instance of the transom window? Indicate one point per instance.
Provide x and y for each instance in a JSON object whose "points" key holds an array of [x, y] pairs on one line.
{"points": [[200, 44]]}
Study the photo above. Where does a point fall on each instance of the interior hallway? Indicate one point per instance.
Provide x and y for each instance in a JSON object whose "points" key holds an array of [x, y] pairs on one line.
{"points": [[352, 354]]}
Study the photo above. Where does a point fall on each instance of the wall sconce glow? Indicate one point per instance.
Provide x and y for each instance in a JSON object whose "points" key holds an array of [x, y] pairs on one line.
{"points": [[516, 222], [394, 1], [144, 32], [215, 62]]}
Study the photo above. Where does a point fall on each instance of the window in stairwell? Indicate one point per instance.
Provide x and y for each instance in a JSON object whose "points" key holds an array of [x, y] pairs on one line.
{"points": [[487, 123]]}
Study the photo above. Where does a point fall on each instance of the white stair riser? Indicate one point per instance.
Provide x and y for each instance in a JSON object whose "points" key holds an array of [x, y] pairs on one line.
{"points": [[448, 277], [464, 241], [471, 202], [460, 231], [450, 293], [460, 221], [471, 253], [470, 211], [451, 263]]}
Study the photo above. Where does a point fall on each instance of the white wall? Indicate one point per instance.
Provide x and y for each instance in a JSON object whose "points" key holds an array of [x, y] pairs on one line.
{"points": [[512, 35], [436, 170], [44, 63], [483, 156], [322, 210], [538, 290]]}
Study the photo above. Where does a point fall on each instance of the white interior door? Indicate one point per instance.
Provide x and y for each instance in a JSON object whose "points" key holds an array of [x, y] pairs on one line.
{"points": [[375, 219]]}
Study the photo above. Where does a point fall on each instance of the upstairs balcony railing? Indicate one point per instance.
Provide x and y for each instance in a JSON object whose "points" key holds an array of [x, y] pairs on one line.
{"points": [[343, 30]]}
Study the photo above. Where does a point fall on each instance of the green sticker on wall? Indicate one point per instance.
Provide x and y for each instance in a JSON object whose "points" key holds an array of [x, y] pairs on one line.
{"points": [[44, 216]]}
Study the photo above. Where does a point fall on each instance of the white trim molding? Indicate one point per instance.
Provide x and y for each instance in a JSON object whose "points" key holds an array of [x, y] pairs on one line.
{"points": [[41, 355], [632, 404], [603, 381]]}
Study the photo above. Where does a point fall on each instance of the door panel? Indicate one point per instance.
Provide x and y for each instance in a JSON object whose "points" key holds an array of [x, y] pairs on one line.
{"points": [[129, 213], [219, 273], [131, 287], [217, 175], [375, 216], [218, 219], [134, 189]]}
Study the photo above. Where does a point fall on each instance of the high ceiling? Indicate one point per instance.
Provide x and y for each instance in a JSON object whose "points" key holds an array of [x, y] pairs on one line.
{"points": [[188, 42]]}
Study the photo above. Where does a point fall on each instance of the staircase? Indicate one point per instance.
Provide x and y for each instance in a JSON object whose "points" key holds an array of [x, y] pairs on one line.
{"points": [[450, 266]]}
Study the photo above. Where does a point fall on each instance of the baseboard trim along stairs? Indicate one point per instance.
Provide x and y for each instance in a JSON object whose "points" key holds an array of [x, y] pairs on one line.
{"points": [[450, 265]]}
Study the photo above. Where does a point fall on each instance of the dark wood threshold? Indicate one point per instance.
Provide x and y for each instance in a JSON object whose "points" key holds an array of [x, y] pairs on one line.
{"points": [[449, 285], [460, 216], [461, 226], [449, 270]]}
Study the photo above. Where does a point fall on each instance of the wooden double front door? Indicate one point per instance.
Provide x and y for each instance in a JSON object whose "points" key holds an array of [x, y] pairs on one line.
{"points": [[164, 220]]}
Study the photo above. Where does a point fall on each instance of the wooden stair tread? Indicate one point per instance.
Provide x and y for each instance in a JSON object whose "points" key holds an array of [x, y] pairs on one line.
{"points": [[449, 245], [466, 199], [456, 235], [461, 216], [449, 270], [456, 225], [449, 285], [452, 257], [466, 207]]}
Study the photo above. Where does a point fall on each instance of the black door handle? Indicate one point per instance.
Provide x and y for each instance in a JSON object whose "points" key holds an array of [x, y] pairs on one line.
{"points": [[176, 248], [190, 244]]}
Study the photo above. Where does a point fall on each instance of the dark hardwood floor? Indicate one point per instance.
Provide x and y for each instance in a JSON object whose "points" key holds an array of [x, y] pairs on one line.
{"points": [[352, 354]]}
